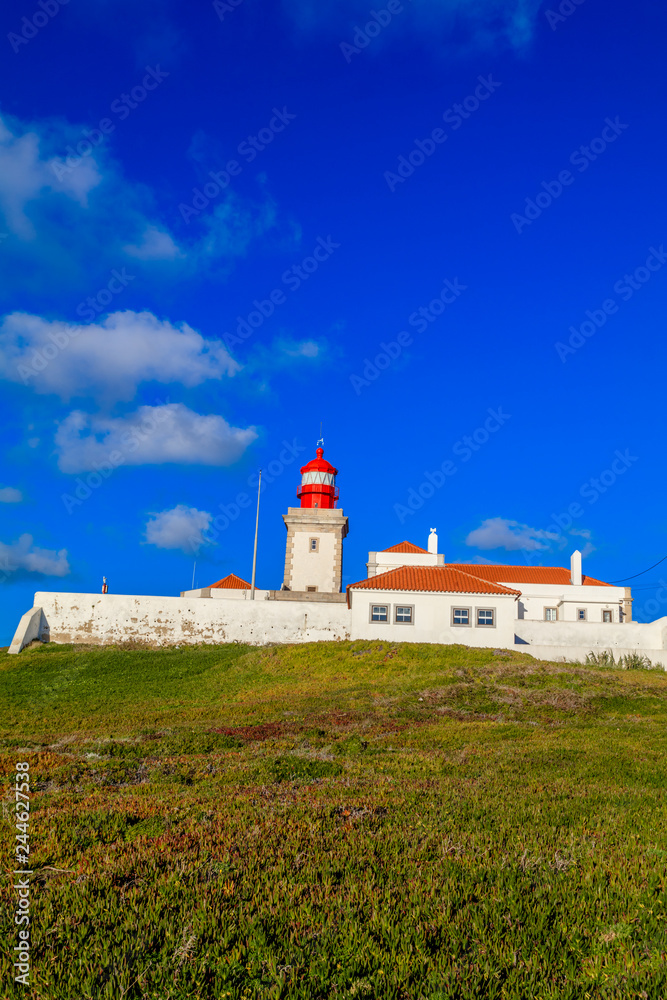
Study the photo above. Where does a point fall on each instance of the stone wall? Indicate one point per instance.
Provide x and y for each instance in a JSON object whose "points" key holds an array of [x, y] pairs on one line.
{"points": [[110, 618]]}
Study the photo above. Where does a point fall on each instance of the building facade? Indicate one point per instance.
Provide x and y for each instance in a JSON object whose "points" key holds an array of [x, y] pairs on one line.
{"points": [[409, 594]]}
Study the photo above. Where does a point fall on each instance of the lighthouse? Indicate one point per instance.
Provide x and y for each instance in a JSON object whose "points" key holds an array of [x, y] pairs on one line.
{"points": [[315, 531]]}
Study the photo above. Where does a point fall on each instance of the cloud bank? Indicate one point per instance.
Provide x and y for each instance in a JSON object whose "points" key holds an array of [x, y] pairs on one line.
{"points": [[25, 555], [181, 528], [8, 494], [152, 435], [502, 533], [108, 359]]}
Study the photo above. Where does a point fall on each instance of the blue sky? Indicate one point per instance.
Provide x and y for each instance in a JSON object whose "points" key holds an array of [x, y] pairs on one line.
{"points": [[438, 228]]}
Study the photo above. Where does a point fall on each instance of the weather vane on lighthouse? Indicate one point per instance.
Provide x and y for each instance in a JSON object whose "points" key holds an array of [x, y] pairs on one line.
{"points": [[320, 440]]}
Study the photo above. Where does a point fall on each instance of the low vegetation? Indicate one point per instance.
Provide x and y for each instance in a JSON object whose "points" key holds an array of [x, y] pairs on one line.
{"points": [[337, 820]]}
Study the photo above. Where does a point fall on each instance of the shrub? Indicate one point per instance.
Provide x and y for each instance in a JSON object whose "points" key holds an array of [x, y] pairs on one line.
{"points": [[631, 661], [605, 658]]}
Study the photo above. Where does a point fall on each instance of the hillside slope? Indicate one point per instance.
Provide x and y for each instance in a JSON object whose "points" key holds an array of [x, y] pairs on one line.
{"points": [[352, 819]]}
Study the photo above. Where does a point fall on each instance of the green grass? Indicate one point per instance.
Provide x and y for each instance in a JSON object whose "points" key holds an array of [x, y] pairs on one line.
{"points": [[338, 820]]}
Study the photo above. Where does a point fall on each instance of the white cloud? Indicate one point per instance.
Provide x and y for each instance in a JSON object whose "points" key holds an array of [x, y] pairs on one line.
{"points": [[84, 209], [228, 229], [25, 555], [26, 175], [299, 348], [10, 495], [155, 244], [153, 435], [179, 528], [108, 359], [501, 533]]}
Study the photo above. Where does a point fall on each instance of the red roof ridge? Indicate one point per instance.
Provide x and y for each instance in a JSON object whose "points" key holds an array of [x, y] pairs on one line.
{"points": [[231, 582], [406, 547], [555, 575], [434, 579]]}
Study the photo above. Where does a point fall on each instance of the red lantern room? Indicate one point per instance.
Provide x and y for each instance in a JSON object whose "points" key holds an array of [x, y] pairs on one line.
{"points": [[318, 484]]}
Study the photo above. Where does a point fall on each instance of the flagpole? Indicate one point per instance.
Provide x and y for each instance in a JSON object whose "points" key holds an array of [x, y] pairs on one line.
{"points": [[254, 555]]}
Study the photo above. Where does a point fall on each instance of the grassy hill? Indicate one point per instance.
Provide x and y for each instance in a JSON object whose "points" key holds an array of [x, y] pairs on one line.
{"points": [[337, 820]]}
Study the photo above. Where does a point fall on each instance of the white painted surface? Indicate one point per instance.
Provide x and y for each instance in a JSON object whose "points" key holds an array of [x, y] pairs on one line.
{"points": [[30, 627], [382, 562], [594, 635], [432, 545], [109, 618], [575, 568], [535, 597], [226, 593], [314, 568], [432, 618]]}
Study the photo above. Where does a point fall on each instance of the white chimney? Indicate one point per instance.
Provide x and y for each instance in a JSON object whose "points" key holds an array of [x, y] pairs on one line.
{"points": [[433, 542], [575, 568]]}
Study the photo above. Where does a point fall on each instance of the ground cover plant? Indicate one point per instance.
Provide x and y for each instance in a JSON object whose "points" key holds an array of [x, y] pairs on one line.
{"points": [[337, 820]]}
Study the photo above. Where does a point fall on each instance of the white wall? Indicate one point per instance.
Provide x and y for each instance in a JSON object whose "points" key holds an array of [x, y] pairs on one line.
{"points": [[594, 635], [535, 597], [32, 626], [226, 593], [382, 562], [432, 618], [108, 618], [314, 569]]}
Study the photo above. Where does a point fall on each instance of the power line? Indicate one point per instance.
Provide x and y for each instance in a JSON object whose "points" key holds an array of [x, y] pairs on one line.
{"points": [[640, 574]]}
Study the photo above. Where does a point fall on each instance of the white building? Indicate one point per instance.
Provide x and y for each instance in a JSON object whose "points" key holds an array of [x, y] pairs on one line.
{"points": [[410, 594]]}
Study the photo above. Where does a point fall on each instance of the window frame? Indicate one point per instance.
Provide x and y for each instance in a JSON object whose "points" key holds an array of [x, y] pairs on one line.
{"points": [[311, 590], [610, 619], [468, 610], [411, 608], [491, 624], [379, 621], [316, 547], [582, 614], [555, 618]]}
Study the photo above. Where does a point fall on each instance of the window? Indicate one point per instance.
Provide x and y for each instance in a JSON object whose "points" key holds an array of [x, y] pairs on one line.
{"points": [[403, 614], [486, 616], [311, 590], [581, 614], [551, 614], [314, 544], [379, 612], [319, 478], [460, 616], [607, 616]]}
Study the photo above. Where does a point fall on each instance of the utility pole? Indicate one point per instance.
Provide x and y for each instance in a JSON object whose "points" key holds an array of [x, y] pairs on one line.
{"points": [[254, 555]]}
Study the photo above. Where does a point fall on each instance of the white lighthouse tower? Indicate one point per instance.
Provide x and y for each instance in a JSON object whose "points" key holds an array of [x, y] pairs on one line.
{"points": [[315, 532]]}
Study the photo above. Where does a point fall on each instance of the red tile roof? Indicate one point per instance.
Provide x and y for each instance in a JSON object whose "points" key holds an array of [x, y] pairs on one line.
{"points": [[525, 574], [405, 547], [440, 579], [231, 582]]}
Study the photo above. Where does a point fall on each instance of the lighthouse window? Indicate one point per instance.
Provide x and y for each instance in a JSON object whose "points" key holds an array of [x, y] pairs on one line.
{"points": [[379, 612], [403, 614], [319, 478], [314, 544], [460, 616]]}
